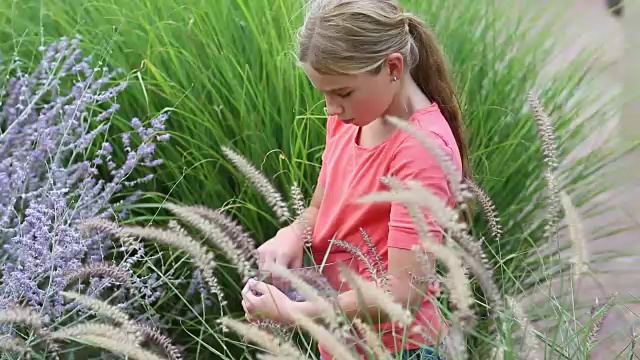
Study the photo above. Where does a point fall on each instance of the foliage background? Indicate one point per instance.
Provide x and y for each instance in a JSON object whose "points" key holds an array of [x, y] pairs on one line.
{"points": [[226, 70]]}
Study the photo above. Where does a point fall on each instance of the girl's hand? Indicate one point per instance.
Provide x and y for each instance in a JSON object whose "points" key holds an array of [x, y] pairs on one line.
{"points": [[265, 301]]}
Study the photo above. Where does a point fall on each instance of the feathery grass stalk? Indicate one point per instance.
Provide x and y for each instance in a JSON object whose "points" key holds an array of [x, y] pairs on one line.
{"points": [[530, 341], [488, 209], [231, 227], [15, 345], [95, 329], [353, 250], [550, 158], [202, 257], [298, 200], [21, 315], [373, 252], [246, 264], [119, 347], [383, 299], [261, 183], [457, 282], [112, 312], [103, 269], [300, 209], [373, 340], [331, 343], [455, 342], [600, 312], [270, 343], [29, 318], [155, 337], [577, 236], [472, 252]]}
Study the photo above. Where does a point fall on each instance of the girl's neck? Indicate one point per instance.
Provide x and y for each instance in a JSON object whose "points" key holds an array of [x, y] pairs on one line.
{"points": [[408, 100]]}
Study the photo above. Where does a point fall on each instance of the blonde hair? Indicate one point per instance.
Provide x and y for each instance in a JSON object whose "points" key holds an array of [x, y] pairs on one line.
{"points": [[347, 37]]}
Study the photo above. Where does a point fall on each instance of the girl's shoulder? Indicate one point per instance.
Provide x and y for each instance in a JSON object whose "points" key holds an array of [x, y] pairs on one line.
{"points": [[431, 124]]}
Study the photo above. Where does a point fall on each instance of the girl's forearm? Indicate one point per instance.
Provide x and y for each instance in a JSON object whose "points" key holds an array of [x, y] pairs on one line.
{"points": [[352, 305]]}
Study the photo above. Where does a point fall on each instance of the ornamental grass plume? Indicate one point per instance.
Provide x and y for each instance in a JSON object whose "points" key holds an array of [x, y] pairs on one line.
{"points": [[261, 183], [114, 313], [577, 236], [489, 210], [241, 253], [16, 346], [282, 349], [550, 159], [200, 255], [447, 218]]}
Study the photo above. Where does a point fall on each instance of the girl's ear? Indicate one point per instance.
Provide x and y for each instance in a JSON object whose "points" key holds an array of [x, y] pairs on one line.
{"points": [[395, 66]]}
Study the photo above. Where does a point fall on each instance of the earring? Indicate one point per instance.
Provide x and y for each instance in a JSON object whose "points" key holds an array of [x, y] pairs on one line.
{"points": [[395, 78]]}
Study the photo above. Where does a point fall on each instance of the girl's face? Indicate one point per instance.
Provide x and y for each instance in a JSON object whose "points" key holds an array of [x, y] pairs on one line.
{"points": [[357, 99]]}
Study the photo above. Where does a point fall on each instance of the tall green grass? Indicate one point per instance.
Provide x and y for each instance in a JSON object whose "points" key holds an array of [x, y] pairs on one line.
{"points": [[226, 70]]}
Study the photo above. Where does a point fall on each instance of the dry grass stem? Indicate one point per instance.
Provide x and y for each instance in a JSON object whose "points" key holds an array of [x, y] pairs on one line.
{"points": [[95, 329], [107, 310], [232, 228], [372, 339], [100, 269], [202, 257], [153, 336], [300, 209], [550, 158], [373, 253], [526, 331], [218, 237], [455, 342], [270, 343], [357, 253], [488, 209], [331, 343], [131, 350], [380, 297], [448, 218], [21, 315], [457, 282], [577, 236], [15, 345], [261, 183], [600, 312]]}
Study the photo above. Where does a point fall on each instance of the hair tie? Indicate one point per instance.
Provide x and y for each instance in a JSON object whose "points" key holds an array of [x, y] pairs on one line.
{"points": [[407, 21]]}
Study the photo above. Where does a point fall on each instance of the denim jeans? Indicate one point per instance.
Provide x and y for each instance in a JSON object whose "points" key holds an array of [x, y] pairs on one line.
{"points": [[419, 354]]}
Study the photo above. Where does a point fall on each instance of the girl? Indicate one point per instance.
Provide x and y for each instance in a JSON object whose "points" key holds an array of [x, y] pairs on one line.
{"points": [[370, 60]]}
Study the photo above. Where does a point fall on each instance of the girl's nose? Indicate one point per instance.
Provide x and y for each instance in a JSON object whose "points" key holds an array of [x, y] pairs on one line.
{"points": [[333, 109]]}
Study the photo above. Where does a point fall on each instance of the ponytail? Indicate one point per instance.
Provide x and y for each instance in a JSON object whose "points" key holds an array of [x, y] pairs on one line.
{"points": [[431, 75]]}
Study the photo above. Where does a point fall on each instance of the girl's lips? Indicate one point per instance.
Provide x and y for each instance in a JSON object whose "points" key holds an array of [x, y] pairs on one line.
{"points": [[347, 121]]}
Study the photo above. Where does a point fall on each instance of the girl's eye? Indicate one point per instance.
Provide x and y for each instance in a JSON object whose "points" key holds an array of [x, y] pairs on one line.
{"points": [[345, 95]]}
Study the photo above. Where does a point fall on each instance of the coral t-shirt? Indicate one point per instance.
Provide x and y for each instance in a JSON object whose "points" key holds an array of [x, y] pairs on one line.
{"points": [[350, 171]]}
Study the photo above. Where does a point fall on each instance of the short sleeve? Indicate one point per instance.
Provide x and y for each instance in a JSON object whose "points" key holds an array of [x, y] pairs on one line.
{"points": [[412, 162]]}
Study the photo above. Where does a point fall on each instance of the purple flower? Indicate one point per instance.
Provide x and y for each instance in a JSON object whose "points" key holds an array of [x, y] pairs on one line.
{"points": [[52, 146]]}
